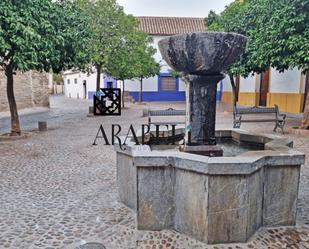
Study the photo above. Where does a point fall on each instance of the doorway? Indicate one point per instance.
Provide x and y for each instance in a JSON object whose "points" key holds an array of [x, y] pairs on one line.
{"points": [[264, 88], [109, 84], [85, 89]]}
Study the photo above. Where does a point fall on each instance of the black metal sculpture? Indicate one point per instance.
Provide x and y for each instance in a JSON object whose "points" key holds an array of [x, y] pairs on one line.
{"points": [[107, 102]]}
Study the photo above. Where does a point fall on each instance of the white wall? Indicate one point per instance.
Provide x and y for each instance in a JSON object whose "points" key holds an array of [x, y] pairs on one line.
{"points": [[247, 84], [226, 85], [287, 82], [77, 90], [182, 85], [164, 67], [149, 85]]}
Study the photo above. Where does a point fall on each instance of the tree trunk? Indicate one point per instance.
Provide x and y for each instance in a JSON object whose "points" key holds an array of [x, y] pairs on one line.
{"points": [[15, 126], [235, 93], [98, 67], [305, 121], [140, 99]]}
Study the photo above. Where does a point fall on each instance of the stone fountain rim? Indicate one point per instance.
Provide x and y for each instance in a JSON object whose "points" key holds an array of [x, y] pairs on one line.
{"points": [[277, 153], [204, 32]]}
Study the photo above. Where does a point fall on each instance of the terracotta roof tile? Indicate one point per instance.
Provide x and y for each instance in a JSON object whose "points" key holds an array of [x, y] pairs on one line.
{"points": [[170, 25]]}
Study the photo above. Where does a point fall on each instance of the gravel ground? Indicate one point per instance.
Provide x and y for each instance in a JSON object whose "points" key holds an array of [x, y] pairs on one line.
{"points": [[59, 191]]}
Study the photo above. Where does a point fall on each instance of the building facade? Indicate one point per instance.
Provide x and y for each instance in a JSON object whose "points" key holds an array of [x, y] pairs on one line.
{"points": [[286, 89], [163, 87]]}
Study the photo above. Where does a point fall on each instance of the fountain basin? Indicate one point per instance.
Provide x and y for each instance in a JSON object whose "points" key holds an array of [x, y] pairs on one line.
{"points": [[213, 199], [202, 53]]}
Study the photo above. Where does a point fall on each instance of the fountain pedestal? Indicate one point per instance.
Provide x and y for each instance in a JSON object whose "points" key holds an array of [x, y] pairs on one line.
{"points": [[201, 115]]}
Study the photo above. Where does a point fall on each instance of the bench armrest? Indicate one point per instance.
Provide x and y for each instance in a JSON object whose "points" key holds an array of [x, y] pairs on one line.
{"points": [[282, 115]]}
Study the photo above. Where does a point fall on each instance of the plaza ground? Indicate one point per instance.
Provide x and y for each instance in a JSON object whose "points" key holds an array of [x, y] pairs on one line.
{"points": [[59, 191]]}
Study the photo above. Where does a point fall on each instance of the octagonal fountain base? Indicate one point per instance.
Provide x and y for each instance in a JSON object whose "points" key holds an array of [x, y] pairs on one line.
{"points": [[213, 199]]}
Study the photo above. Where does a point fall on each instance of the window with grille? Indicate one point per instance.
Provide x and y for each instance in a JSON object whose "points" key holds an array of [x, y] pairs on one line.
{"points": [[168, 83], [68, 81], [75, 81]]}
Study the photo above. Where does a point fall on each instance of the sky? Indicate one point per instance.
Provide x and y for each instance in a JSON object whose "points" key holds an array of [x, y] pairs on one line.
{"points": [[183, 8]]}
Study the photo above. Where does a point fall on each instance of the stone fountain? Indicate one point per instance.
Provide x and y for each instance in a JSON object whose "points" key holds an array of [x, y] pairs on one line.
{"points": [[213, 199], [202, 57]]}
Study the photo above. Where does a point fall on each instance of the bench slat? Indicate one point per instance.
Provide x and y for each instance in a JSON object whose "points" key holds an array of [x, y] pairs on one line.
{"points": [[167, 113], [258, 120], [255, 110]]}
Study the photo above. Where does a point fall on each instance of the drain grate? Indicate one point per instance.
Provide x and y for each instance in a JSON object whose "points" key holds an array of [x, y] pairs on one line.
{"points": [[92, 245]]}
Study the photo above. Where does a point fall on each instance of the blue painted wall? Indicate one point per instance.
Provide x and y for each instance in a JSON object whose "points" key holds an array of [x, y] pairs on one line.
{"points": [[159, 95]]}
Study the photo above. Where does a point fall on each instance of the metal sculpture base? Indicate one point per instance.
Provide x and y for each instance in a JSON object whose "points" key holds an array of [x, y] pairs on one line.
{"points": [[204, 150]]}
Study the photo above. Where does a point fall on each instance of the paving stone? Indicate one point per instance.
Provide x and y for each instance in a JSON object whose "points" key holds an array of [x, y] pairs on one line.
{"points": [[57, 185]]}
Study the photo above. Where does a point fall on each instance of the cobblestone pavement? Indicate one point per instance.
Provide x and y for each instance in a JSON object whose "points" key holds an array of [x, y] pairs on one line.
{"points": [[59, 191]]}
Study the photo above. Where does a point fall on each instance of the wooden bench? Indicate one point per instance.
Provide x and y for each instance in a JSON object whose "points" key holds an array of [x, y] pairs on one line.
{"points": [[278, 118], [164, 113]]}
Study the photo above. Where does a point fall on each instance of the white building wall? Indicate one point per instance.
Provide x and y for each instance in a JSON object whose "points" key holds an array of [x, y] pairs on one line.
{"points": [[164, 67], [226, 84], [149, 85], [182, 85], [247, 84], [76, 90], [286, 82]]}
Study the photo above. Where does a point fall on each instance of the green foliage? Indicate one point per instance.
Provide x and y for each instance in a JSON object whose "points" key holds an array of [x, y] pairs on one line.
{"points": [[40, 35], [212, 22], [58, 78], [281, 33], [276, 30], [106, 22], [175, 73], [134, 56], [145, 64]]}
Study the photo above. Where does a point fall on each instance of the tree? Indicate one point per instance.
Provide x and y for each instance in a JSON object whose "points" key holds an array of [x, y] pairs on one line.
{"points": [[134, 56], [37, 35], [105, 22], [145, 64], [283, 37], [277, 35], [58, 78], [233, 19], [212, 21]]}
